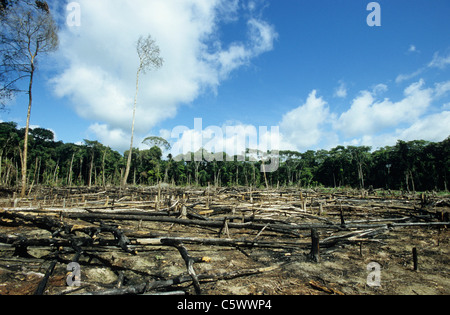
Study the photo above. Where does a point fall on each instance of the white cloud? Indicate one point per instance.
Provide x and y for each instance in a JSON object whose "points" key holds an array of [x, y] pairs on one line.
{"points": [[367, 116], [263, 36], [303, 126], [380, 88], [231, 138], [368, 120], [435, 127], [341, 91], [261, 39], [413, 49], [439, 61], [111, 137], [405, 77], [100, 60], [442, 88]]}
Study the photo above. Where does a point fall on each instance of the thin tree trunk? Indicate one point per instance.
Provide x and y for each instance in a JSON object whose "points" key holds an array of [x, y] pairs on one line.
{"points": [[265, 177], [197, 165], [361, 175], [80, 174], [103, 169], [412, 181], [1, 158], [27, 129], [407, 181], [38, 171], [55, 173], [69, 182], [34, 177], [127, 171], [166, 174], [91, 168]]}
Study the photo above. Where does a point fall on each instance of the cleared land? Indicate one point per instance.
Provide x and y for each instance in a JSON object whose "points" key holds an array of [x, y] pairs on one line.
{"points": [[217, 241]]}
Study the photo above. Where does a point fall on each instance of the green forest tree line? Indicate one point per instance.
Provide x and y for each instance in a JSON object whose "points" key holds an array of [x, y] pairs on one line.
{"points": [[413, 166]]}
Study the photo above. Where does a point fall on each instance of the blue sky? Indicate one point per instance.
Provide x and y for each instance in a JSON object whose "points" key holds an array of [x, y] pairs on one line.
{"points": [[314, 68]]}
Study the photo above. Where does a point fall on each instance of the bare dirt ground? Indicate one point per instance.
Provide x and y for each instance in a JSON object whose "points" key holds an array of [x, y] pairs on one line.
{"points": [[241, 242]]}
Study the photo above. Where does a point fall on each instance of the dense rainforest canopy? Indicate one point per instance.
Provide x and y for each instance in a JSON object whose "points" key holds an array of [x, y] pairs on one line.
{"points": [[414, 166]]}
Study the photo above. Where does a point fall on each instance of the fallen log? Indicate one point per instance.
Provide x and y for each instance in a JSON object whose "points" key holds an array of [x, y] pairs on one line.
{"points": [[281, 228], [162, 284], [43, 283], [57, 228], [354, 236], [189, 263], [46, 222], [219, 242]]}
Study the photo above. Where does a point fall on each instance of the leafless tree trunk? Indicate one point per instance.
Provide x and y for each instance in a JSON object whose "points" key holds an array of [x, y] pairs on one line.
{"points": [[103, 169], [27, 129], [28, 29], [91, 167], [130, 153], [149, 58], [69, 182]]}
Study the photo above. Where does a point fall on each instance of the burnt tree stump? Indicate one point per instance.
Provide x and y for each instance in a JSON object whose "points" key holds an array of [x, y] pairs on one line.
{"points": [[315, 246]]}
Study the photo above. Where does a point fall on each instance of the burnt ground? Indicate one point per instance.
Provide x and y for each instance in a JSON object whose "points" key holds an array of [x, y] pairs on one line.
{"points": [[283, 267]]}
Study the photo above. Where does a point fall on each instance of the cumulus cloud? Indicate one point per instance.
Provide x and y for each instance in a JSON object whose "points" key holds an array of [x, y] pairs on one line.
{"points": [[108, 135], [303, 126], [100, 61], [380, 88], [369, 120], [435, 127], [261, 39], [367, 115], [231, 138]]}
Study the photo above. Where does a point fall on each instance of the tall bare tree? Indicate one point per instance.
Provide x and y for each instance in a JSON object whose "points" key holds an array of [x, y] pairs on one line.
{"points": [[149, 59], [28, 30]]}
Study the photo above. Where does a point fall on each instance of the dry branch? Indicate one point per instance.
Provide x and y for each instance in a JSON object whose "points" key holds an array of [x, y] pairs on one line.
{"points": [[100, 225], [163, 284]]}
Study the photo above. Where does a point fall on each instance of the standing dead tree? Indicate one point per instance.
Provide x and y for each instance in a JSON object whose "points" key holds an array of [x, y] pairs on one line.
{"points": [[28, 30], [149, 59]]}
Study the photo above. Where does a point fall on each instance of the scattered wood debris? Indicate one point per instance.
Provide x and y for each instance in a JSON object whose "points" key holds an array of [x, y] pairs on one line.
{"points": [[162, 239]]}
